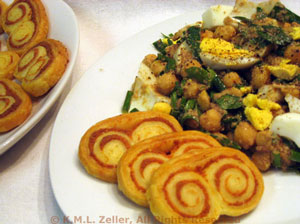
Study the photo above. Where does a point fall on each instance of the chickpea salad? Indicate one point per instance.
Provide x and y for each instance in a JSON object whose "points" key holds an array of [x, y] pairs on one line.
{"points": [[234, 75]]}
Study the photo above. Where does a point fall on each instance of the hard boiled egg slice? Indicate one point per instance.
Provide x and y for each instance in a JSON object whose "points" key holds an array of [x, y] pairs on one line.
{"points": [[287, 125], [145, 95], [219, 54], [215, 15]]}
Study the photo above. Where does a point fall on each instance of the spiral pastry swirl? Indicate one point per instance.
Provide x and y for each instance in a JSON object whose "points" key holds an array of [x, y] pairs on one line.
{"points": [[199, 186], [41, 67], [3, 7], [15, 105], [142, 159], [235, 178], [102, 146], [8, 63], [26, 23]]}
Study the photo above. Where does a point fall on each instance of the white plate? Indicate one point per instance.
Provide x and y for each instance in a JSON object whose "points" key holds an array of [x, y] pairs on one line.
{"points": [[63, 27], [99, 94]]}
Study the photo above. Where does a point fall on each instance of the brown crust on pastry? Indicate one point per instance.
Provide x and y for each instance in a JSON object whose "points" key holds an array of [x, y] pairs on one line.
{"points": [[105, 142], [41, 67], [29, 28], [15, 105], [8, 63]]}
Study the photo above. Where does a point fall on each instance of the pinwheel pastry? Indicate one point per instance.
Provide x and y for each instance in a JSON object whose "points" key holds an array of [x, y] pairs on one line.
{"points": [[198, 187], [41, 67], [103, 144], [26, 23], [140, 161], [15, 105], [2, 9], [8, 62]]}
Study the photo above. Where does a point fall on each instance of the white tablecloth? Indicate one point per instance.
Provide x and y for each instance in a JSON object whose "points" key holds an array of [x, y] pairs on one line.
{"points": [[25, 191]]}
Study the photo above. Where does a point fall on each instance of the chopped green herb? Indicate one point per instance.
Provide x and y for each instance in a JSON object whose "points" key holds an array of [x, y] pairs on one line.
{"points": [[134, 110], [200, 75], [229, 102], [127, 101], [276, 160], [193, 39], [295, 156], [282, 14], [260, 13], [217, 83], [171, 63]]}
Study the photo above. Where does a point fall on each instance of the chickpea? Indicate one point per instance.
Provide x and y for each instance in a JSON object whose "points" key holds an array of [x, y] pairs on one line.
{"points": [[191, 89], [211, 120], [231, 91], [245, 135], [262, 160], [149, 59], [166, 83], [231, 79], [293, 52], [203, 100], [260, 77], [189, 64], [158, 67], [225, 32], [207, 34]]}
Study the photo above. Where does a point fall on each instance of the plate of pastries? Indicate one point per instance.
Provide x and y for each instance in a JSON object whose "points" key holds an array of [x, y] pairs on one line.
{"points": [[37, 54]]}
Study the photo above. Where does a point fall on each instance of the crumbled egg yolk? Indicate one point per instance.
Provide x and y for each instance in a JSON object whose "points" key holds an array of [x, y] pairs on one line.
{"points": [[246, 89], [162, 107], [295, 34], [284, 70], [222, 48], [259, 118], [165, 41]]}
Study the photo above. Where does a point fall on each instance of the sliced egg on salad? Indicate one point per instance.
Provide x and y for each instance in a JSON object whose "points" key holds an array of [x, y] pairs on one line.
{"points": [[287, 125], [215, 15], [219, 54], [145, 95]]}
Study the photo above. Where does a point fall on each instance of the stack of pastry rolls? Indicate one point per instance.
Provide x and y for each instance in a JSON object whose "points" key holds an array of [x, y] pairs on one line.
{"points": [[183, 176], [35, 61]]}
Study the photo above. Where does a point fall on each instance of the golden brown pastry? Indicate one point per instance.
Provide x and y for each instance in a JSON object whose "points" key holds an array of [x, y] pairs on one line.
{"points": [[15, 105], [3, 7], [8, 63], [103, 144], [199, 186], [41, 67], [237, 180], [140, 161], [26, 23]]}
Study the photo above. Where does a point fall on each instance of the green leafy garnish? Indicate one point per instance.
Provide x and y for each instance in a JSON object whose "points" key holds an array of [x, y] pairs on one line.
{"points": [[260, 13], [201, 75], [193, 39], [217, 83], [127, 101], [276, 160], [171, 63], [228, 102], [295, 156], [227, 142], [282, 14]]}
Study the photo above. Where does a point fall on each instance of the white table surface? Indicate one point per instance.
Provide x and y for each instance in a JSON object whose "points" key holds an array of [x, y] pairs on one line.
{"points": [[25, 190]]}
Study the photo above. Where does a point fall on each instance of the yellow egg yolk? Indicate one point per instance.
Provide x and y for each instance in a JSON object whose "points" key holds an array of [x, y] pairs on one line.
{"points": [[223, 49]]}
